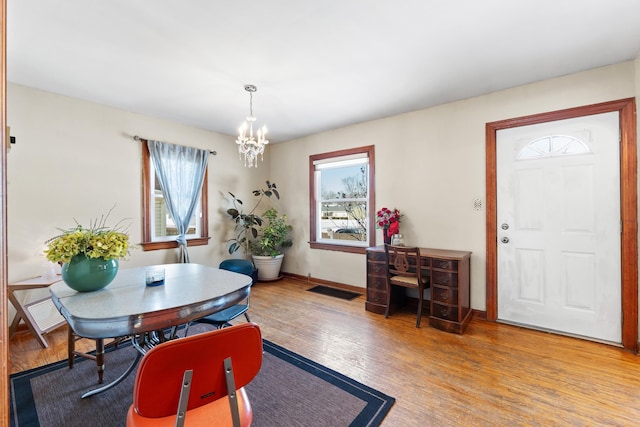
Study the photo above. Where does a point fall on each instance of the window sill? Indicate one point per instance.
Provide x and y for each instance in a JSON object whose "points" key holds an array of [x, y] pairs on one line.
{"points": [[153, 246], [339, 248]]}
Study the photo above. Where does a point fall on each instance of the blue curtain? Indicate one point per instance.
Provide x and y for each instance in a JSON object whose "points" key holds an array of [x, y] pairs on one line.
{"points": [[180, 171]]}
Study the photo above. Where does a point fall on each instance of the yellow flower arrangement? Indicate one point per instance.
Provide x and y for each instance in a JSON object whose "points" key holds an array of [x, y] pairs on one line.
{"points": [[97, 241]]}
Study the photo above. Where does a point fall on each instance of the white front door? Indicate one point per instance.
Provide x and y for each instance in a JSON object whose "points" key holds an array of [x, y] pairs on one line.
{"points": [[558, 212]]}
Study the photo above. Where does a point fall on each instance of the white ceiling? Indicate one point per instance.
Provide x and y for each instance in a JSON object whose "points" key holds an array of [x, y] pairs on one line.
{"points": [[318, 65]]}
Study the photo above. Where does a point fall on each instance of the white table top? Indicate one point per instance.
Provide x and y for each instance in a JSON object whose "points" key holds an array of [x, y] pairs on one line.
{"points": [[127, 306]]}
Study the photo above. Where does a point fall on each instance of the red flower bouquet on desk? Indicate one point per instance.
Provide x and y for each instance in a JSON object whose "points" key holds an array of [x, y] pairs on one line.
{"points": [[389, 221]]}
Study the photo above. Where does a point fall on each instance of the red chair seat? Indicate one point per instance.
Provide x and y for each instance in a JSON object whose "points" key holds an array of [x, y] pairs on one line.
{"points": [[217, 413]]}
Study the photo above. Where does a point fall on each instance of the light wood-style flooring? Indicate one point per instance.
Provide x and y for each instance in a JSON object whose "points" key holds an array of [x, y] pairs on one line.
{"points": [[493, 375]]}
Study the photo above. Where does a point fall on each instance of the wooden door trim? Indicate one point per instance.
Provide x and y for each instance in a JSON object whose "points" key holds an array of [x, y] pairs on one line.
{"points": [[628, 205], [4, 304]]}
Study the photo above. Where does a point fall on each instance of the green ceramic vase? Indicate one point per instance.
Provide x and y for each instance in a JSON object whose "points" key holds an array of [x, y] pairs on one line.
{"points": [[85, 274]]}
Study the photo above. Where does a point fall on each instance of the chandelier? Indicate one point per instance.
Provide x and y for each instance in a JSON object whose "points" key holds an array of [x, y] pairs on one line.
{"points": [[248, 146]]}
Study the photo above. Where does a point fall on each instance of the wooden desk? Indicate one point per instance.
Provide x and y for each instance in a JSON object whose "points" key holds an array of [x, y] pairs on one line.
{"points": [[449, 278], [40, 315]]}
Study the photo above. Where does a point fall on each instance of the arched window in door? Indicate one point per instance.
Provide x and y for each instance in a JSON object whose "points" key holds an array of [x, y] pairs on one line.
{"points": [[553, 145]]}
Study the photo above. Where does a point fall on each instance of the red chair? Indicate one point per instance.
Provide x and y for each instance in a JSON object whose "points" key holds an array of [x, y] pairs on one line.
{"points": [[185, 381]]}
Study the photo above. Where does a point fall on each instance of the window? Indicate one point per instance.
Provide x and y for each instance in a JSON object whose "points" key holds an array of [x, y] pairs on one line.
{"points": [[342, 199], [158, 229]]}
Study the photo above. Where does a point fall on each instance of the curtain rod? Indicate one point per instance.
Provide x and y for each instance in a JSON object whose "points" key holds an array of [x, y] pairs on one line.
{"points": [[137, 138]]}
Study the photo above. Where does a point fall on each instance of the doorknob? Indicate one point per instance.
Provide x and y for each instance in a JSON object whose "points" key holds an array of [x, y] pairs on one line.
{"points": [[505, 240], [505, 226]]}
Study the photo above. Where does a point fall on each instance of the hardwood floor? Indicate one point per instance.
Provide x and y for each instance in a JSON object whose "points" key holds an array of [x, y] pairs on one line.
{"points": [[493, 375]]}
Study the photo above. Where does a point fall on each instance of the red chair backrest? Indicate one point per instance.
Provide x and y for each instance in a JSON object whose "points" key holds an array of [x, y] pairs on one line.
{"points": [[159, 379]]}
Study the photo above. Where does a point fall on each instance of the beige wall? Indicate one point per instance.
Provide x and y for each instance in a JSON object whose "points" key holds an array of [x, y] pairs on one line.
{"points": [[75, 159], [430, 164]]}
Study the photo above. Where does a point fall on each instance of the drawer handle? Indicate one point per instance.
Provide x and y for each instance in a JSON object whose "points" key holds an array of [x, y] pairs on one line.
{"points": [[444, 294], [444, 264], [444, 312]]}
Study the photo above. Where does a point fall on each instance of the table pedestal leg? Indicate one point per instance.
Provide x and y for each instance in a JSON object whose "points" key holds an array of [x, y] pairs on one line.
{"points": [[118, 380]]}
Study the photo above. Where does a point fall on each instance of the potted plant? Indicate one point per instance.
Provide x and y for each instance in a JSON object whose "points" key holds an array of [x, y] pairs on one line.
{"points": [[249, 233], [247, 224], [268, 248], [89, 256]]}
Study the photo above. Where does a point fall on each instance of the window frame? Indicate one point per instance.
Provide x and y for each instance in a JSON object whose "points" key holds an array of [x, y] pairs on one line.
{"points": [[313, 202], [147, 244]]}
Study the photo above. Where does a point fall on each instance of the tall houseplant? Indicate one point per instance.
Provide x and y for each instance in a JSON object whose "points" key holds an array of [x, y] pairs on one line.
{"points": [[264, 235], [248, 223]]}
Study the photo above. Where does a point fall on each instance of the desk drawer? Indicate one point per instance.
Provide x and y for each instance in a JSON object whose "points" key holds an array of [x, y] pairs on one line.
{"points": [[444, 264], [444, 278], [447, 295], [377, 283], [376, 269], [376, 296], [376, 256], [444, 311]]}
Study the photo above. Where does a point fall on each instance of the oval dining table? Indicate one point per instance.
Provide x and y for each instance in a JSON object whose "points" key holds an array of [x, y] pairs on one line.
{"points": [[128, 307]]}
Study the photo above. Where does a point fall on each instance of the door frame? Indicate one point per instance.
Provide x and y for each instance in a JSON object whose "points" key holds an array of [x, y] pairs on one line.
{"points": [[628, 206], [4, 304]]}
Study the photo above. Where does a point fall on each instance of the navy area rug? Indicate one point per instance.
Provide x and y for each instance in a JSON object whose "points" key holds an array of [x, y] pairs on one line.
{"points": [[290, 390]]}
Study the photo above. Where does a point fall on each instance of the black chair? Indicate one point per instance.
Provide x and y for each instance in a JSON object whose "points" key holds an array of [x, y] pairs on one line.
{"points": [[403, 270], [222, 318]]}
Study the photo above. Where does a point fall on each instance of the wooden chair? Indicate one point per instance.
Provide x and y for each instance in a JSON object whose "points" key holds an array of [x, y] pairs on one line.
{"points": [[185, 381], [402, 270], [98, 356]]}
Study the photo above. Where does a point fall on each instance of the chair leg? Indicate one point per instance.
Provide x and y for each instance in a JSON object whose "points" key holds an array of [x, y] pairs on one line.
{"points": [[246, 315], [71, 347], [100, 358], [420, 298], [386, 311]]}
